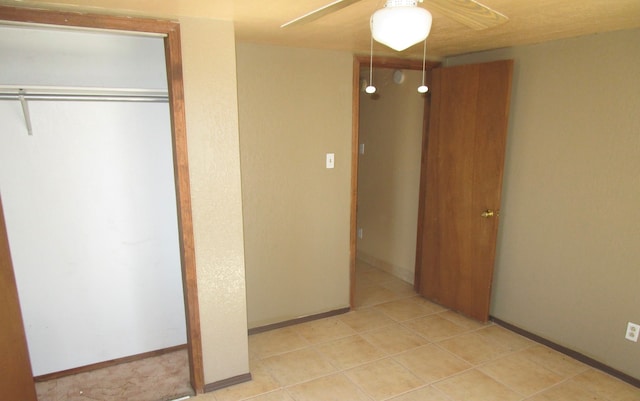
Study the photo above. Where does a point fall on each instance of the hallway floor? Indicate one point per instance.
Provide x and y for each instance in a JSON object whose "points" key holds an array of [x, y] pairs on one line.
{"points": [[398, 346]]}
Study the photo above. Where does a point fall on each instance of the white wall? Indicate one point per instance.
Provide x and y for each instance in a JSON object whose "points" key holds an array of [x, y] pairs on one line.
{"points": [[211, 105], [66, 57], [89, 201]]}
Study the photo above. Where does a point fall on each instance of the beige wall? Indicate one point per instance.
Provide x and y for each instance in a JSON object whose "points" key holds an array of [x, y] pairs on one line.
{"points": [[389, 172], [568, 263], [208, 55], [294, 107]]}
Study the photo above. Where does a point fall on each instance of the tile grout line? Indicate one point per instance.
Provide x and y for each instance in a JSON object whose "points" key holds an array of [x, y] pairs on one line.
{"points": [[446, 314]]}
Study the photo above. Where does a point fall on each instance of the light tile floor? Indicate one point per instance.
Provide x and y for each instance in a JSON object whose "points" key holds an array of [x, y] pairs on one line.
{"points": [[398, 346]]}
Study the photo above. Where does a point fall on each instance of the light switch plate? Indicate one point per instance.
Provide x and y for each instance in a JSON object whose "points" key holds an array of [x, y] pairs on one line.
{"points": [[331, 160]]}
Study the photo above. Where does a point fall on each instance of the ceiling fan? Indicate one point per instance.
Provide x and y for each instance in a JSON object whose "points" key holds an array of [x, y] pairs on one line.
{"points": [[467, 12]]}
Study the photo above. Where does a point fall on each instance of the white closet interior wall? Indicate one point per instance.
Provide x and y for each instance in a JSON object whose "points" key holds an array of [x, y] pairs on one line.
{"points": [[89, 199]]}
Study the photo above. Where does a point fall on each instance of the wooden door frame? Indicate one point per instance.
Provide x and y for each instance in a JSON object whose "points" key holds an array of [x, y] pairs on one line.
{"points": [[379, 62], [173, 56], [16, 375]]}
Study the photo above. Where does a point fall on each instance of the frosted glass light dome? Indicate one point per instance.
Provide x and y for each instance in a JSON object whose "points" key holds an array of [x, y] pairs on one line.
{"points": [[400, 24]]}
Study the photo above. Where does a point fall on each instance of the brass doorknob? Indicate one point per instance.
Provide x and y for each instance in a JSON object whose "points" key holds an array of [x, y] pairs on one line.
{"points": [[490, 213]]}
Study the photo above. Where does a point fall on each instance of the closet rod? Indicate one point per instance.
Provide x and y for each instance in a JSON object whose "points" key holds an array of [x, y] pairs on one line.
{"points": [[86, 98], [82, 94], [26, 94]]}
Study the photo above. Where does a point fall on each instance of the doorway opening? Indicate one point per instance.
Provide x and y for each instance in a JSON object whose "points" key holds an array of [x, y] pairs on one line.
{"points": [[462, 165], [388, 134]]}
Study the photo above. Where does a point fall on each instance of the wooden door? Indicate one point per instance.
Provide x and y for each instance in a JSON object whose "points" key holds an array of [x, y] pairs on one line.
{"points": [[465, 150], [16, 378]]}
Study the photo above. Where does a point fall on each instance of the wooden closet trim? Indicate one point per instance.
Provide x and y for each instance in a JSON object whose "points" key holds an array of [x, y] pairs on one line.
{"points": [[173, 57]]}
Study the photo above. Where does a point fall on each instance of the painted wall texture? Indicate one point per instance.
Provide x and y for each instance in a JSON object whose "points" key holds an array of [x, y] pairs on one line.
{"points": [[294, 107], [389, 172], [208, 55], [568, 261]]}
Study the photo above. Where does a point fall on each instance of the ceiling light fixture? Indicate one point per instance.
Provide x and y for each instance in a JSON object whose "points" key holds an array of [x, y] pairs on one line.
{"points": [[371, 88], [400, 24], [424, 88]]}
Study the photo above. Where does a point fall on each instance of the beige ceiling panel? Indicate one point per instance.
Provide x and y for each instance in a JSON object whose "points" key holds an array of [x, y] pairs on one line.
{"points": [[529, 21]]}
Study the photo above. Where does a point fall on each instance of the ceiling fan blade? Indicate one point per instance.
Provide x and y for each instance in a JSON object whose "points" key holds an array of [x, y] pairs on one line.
{"points": [[468, 12], [320, 12]]}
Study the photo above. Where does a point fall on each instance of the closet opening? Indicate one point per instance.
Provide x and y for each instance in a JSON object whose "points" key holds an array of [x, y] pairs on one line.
{"points": [[102, 180]]}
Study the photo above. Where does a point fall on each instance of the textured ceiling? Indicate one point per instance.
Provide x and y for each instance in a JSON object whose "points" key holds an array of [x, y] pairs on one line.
{"points": [[530, 21]]}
